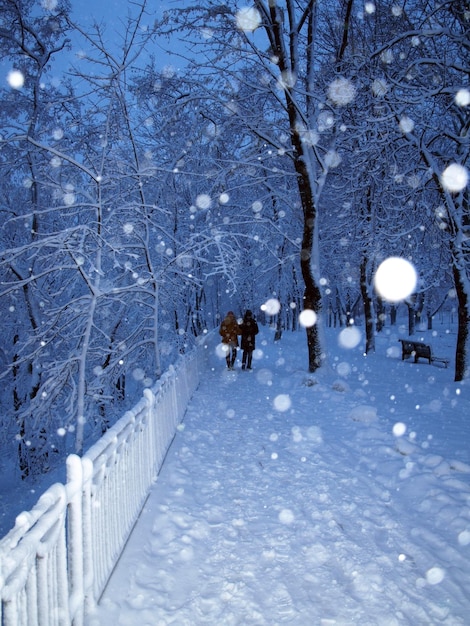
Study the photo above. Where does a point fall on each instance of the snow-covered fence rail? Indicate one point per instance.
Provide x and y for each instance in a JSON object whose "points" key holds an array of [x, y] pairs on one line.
{"points": [[56, 561]]}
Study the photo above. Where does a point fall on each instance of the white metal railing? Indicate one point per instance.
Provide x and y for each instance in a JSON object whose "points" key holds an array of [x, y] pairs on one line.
{"points": [[56, 561]]}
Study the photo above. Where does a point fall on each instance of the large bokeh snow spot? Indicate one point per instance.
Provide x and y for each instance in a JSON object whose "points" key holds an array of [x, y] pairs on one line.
{"points": [[248, 19], [395, 279]]}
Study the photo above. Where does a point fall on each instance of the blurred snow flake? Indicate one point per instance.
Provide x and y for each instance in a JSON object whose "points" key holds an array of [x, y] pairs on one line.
{"points": [[286, 516], [413, 181], [332, 159], [307, 318], [138, 374], [349, 337], [264, 376], [397, 10], [69, 198], [248, 19], [395, 279], [224, 198], [15, 79], [296, 434], [49, 5], [462, 97], [272, 306], [286, 80], [314, 434], [387, 57], [343, 369], [464, 538], [309, 137], [282, 402], [341, 91], [128, 228], [221, 350], [207, 33], [435, 575], [369, 8], [257, 206], [399, 429], [406, 124], [169, 71], [185, 261], [203, 201], [379, 87], [325, 121], [455, 177]]}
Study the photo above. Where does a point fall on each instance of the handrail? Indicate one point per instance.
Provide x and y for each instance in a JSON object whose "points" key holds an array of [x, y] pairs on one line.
{"points": [[57, 560]]}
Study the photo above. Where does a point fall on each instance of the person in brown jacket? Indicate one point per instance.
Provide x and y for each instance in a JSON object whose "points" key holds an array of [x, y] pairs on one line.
{"points": [[229, 331]]}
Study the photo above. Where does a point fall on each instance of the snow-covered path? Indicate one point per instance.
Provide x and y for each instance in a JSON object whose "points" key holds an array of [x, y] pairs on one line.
{"points": [[285, 502]]}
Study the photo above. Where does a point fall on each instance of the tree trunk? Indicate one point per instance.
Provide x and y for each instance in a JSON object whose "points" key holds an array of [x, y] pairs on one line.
{"points": [[303, 157], [380, 319], [463, 338], [368, 308], [312, 294]]}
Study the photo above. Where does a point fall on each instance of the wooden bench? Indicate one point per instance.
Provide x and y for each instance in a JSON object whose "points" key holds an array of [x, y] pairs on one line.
{"points": [[418, 350]]}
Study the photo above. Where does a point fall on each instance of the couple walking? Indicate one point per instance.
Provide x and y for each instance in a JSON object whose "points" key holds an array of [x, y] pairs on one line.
{"points": [[229, 331]]}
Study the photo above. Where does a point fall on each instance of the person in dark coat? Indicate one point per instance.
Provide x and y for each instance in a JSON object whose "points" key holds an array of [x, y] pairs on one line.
{"points": [[229, 329], [249, 330]]}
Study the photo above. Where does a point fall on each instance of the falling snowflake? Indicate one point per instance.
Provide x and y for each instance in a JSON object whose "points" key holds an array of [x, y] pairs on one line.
{"points": [[286, 80], [379, 87], [203, 201], [462, 97], [341, 91], [325, 121], [455, 178], [307, 318], [15, 79], [349, 337], [387, 57], [332, 159], [282, 402], [406, 124], [248, 19], [272, 306], [395, 279]]}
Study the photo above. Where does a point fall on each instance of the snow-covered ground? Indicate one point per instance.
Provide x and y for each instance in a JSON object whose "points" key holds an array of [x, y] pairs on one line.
{"points": [[289, 498]]}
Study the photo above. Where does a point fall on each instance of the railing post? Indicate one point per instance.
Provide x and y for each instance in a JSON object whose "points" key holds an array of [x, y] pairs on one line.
{"points": [[89, 601], [75, 538]]}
